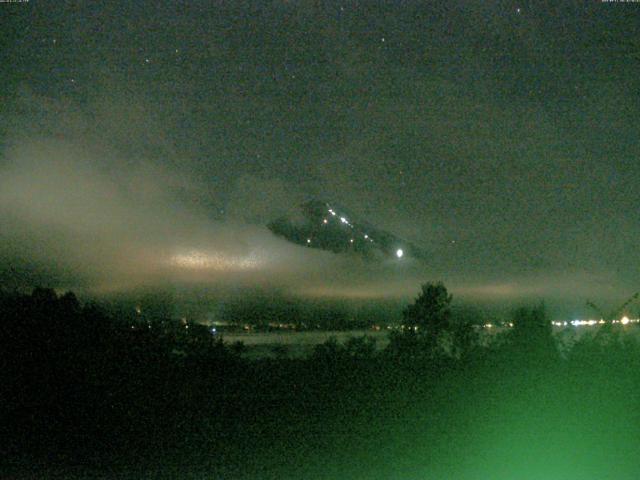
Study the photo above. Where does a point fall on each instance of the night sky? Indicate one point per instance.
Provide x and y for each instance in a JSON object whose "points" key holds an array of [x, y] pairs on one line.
{"points": [[148, 143]]}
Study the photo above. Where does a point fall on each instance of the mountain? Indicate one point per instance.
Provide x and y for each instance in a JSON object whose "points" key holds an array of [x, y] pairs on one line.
{"points": [[329, 227]]}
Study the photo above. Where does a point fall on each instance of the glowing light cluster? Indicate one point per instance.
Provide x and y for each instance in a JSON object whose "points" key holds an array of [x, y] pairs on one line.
{"points": [[399, 253], [626, 320], [590, 323], [345, 221]]}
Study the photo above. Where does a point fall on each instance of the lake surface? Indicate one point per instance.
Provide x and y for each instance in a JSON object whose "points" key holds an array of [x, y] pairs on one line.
{"points": [[299, 344]]}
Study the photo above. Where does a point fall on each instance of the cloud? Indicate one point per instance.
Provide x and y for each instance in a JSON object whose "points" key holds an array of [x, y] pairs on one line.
{"points": [[87, 214], [122, 226], [93, 197]]}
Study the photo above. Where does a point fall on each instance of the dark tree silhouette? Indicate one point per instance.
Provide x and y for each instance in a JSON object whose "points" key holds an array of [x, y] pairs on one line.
{"points": [[280, 351], [464, 340], [44, 297], [69, 303], [532, 332], [363, 347], [424, 321], [431, 311]]}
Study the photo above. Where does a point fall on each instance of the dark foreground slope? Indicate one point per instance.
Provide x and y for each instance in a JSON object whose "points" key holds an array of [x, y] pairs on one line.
{"points": [[83, 397]]}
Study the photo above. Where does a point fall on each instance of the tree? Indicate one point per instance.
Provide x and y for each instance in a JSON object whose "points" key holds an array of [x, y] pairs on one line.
{"points": [[424, 322], [431, 311], [363, 348], [532, 332], [464, 339], [280, 351], [69, 304]]}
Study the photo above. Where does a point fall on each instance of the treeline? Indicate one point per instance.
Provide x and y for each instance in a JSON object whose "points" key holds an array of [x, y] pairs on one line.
{"points": [[74, 381], [81, 388]]}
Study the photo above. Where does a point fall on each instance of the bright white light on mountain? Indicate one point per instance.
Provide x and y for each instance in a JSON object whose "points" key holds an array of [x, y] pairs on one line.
{"points": [[399, 253]]}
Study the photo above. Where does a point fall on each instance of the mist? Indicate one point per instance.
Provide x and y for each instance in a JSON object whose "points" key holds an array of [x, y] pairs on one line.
{"points": [[100, 196], [85, 208]]}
